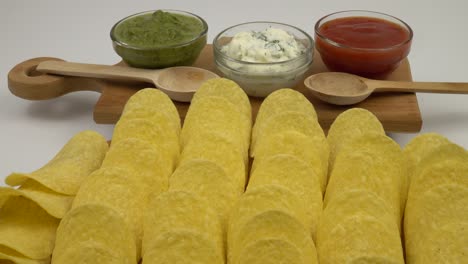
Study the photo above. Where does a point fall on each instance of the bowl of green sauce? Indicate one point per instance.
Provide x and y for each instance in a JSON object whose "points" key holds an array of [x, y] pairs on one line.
{"points": [[159, 39]]}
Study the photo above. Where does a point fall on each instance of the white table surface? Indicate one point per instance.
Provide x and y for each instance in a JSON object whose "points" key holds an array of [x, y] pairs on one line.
{"points": [[31, 132]]}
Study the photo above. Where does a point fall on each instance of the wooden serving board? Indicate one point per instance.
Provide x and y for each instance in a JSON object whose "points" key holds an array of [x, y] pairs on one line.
{"points": [[398, 112]]}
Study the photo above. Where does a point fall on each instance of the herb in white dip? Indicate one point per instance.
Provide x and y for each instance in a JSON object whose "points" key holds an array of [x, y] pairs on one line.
{"points": [[269, 45]]}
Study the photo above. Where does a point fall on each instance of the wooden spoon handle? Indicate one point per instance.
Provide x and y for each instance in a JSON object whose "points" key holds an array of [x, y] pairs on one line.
{"points": [[420, 87], [96, 71]]}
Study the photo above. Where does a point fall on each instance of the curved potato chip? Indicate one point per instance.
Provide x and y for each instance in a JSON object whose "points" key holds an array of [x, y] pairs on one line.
{"points": [[9, 256], [209, 181], [26, 228], [216, 114], [297, 176], [183, 246], [285, 121], [270, 251], [280, 101], [80, 156], [422, 145], [97, 225], [265, 198], [313, 150], [349, 124], [229, 90], [55, 204], [174, 210], [144, 160], [90, 252], [361, 239], [217, 149], [154, 135], [153, 99], [156, 116], [277, 225], [351, 203]]}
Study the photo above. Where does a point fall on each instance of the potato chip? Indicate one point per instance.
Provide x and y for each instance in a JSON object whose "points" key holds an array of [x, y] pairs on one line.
{"points": [[81, 155], [361, 239], [183, 246], [270, 251], [209, 181], [265, 198], [230, 91], [55, 204], [285, 121], [156, 116], [94, 224], [144, 160], [89, 252], [281, 101], [125, 193], [313, 150], [220, 151], [422, 145], [372, 162], [445, 244], [349, 124], [350, 203], [219, 115], [9, 256], [180, 210], [153, 99], [26, 228], [143, 129], [277, 225], [297, 176]]}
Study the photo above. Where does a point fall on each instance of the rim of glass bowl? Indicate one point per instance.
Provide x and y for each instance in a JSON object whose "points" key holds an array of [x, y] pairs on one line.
{"points": [[309, 50], [339, 45], [123, 44]]}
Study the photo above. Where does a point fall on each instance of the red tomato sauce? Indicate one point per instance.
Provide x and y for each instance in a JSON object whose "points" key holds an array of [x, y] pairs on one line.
{"points": [[362, 45]]}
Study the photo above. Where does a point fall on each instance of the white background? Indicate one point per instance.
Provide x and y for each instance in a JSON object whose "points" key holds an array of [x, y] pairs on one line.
{"points": [[32, 132]]}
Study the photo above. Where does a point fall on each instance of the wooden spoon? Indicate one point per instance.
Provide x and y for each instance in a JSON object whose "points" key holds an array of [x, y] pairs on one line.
{"points": [[347, 89], [179, 83]]}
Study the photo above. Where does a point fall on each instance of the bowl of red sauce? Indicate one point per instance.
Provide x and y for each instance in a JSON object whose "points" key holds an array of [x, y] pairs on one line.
{"points": [[365, 43]]}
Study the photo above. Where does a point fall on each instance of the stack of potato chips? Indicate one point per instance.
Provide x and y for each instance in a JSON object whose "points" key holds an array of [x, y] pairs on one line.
{"points": [[436, 216], [276, 219], [187, 224], [363, 201], [29, 215], [105, 223]]}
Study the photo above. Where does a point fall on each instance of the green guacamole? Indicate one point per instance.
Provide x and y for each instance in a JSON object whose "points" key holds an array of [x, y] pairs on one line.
{"points": [[158, 29], [159, 39]]}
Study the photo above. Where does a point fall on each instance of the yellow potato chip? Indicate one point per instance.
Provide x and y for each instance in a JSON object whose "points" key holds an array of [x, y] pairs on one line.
{"points": [[143, 129], [374, 163], [422, 145], [281, 101], [313, 150], [361, 239], [9, 256], [26, 228], [81, 155], [156, 116], [265, 198], [349, 124], [351, 203], [183, 246], [89, 252], [220, 151], [209, 181], [152, 99], [144, 160], [119, 189], [445, 244], [55, 204], [297, 176], [93, 224], [277, 225], [216, 114], [174, 210], [229, 90], [271, 251], [297, 121]]}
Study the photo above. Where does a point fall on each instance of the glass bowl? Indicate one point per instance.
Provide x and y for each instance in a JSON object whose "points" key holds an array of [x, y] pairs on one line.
{"points": [[377, 57], [259, 79], [160, 56]]}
